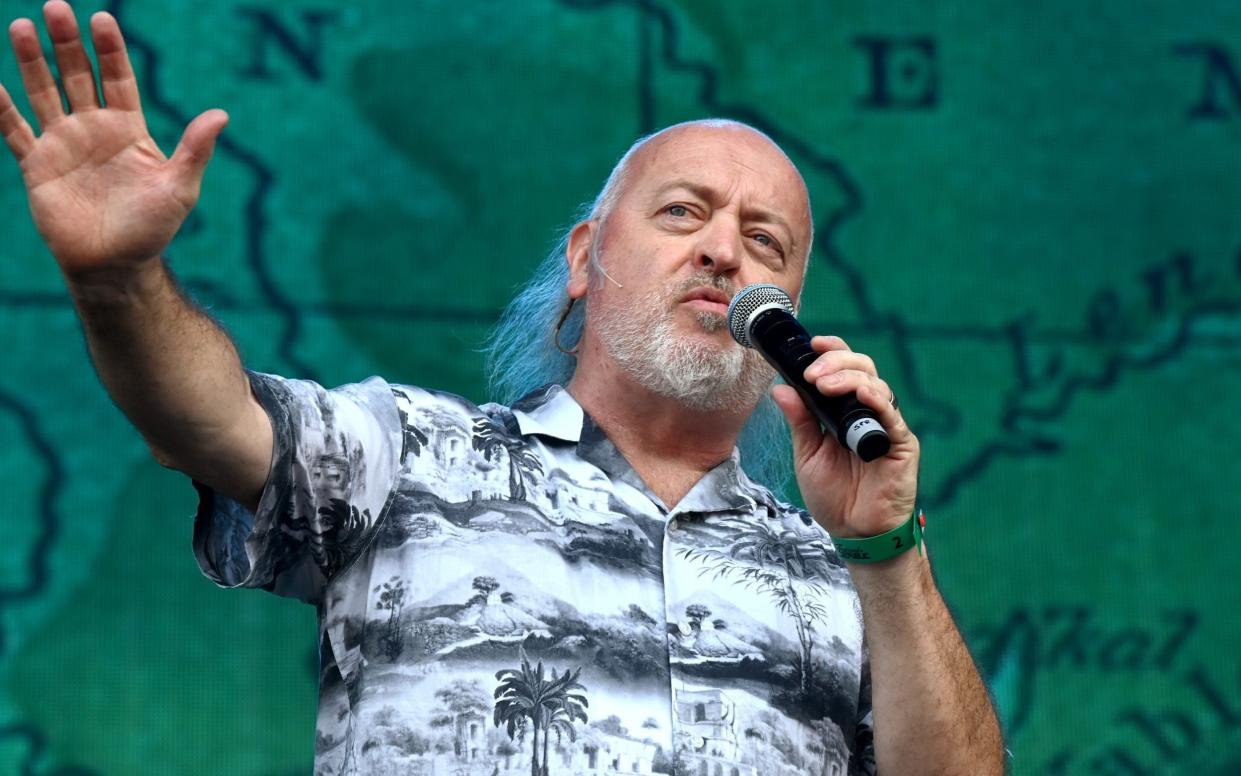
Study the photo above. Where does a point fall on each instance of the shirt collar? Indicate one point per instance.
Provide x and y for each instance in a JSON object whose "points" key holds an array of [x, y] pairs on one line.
{"points": [[549, 411], [552, 411]]}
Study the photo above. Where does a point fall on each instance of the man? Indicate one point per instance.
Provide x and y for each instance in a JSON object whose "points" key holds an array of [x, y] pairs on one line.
{"points": [[586, 580]]}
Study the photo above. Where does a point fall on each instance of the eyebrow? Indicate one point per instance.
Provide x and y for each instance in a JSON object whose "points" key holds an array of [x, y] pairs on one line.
{"points": [[708, 194]]}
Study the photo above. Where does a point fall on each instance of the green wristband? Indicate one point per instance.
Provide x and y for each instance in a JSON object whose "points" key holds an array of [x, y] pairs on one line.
{"points": [[885, 546]]}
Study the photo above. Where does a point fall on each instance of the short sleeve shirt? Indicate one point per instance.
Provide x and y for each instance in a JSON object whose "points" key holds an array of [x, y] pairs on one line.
{"points": [[498, 590]]}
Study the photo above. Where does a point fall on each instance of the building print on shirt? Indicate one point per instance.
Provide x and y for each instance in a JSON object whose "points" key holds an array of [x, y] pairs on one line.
{"points": [[710, 741]]}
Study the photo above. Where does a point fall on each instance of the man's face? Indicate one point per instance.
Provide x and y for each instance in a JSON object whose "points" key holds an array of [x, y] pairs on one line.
{"points": [[705, 212]]}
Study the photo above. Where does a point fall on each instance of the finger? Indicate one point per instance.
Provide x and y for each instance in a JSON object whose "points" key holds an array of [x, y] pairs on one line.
{"points": [[803, 426], [823, 344], [879, 399], [871, 391], [76, 76], [846, 380], [861, 384], [17, 134], [40, 86], [120, 88], [195, 150], [835, 360]]}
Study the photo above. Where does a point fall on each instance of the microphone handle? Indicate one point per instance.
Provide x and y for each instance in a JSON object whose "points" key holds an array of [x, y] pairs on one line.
{"points": [[785, 343]]}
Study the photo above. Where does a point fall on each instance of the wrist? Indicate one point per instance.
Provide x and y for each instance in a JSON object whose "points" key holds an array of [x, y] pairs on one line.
{"points": [[112, 286], [893, 579], [883, 547], [894, 596]]}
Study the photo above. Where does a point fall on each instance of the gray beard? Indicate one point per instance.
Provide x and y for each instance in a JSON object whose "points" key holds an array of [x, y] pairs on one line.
{"points": [[700, 375]]}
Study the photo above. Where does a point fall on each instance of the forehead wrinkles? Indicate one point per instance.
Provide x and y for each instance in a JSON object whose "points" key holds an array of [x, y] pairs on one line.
{"points": [[751, 161]]}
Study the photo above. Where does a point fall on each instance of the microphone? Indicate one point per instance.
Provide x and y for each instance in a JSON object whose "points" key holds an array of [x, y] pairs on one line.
{"points": [[760, 316]]}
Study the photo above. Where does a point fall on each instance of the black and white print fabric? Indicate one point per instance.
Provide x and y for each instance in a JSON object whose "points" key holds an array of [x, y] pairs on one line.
{"points": [[499, 592]]}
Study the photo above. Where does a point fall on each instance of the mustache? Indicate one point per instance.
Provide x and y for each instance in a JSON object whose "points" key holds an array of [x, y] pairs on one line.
{"points": [[704, 280]]}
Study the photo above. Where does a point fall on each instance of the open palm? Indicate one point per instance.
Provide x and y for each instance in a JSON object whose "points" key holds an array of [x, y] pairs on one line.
{"points": [[102, 194]]}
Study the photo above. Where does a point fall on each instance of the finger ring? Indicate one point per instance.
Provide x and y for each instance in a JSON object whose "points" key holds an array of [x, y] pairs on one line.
{"points": [[895, 403]]}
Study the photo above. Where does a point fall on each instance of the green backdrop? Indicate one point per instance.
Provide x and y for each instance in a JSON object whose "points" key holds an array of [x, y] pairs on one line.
{"points": [[1027, 212]]}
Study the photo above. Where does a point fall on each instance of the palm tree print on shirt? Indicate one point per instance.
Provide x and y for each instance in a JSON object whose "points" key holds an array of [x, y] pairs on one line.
{"points": [[527, 700], [413, 439], [490, 439], [343, 532], [772, 559]]}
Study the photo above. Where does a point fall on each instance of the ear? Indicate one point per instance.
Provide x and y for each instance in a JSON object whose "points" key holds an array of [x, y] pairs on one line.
{"points": [[577, 254]]}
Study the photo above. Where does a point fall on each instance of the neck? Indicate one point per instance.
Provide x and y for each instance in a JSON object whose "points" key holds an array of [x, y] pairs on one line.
{"points": [[668, 444]]}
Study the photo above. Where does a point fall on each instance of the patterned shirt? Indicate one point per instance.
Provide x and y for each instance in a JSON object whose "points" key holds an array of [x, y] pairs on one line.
{"points": [[499, 591]]}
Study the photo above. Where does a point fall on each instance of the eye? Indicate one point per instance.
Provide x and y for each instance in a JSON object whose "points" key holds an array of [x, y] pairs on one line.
{"points": [[767, 241], [677, 211]]}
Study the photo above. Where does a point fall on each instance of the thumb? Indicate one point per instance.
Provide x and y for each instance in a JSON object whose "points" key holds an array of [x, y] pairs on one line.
{"points": [[807, 435], [196, 147]]}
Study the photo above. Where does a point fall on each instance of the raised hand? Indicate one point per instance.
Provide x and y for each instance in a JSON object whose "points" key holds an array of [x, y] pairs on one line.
{"points": [[103, 195]]}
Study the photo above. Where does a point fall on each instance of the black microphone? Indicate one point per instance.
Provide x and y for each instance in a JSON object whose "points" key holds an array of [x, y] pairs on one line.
{"points": [[760, 316]]}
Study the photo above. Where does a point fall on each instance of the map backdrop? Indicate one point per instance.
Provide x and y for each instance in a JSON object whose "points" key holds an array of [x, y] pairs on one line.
{"points": [[1026, 212]]}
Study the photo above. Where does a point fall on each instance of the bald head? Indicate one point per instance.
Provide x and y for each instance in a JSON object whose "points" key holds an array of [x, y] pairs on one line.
{"points": [[682, 142]]}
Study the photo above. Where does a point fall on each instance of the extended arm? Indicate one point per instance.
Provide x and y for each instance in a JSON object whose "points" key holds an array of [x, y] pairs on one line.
{"points": [[177, 376], [107, 202]]}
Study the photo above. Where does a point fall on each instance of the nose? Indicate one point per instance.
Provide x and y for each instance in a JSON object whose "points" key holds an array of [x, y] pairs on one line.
{"points": [[719, 248]]}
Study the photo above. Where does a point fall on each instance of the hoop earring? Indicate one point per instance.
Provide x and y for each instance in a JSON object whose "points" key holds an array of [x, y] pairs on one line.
{"points": [[571, 352]]}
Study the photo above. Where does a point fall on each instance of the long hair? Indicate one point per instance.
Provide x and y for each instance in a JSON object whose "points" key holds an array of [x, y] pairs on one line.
{"points": [[521, 352]]}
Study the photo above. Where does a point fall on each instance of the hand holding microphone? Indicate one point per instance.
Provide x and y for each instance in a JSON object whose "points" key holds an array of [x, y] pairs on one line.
{"points": [[761, 316]]}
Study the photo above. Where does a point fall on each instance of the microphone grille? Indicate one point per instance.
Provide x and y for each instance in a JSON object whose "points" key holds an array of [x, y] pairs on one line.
{"points": [[749, 301]]}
